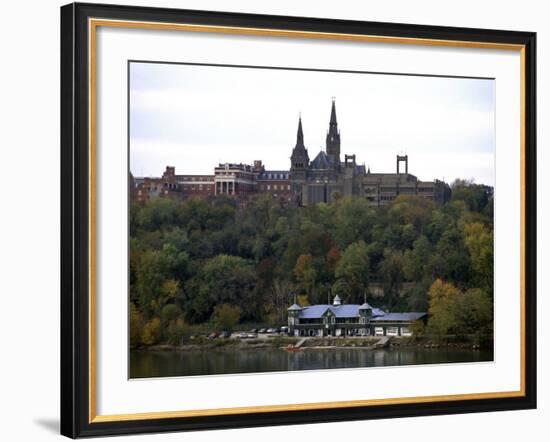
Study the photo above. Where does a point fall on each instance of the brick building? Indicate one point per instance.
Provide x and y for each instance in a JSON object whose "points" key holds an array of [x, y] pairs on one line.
{"points": [[322, 179]]}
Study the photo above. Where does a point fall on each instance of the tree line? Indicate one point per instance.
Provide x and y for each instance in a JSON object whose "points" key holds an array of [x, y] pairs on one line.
{"points": [[209, 261]]}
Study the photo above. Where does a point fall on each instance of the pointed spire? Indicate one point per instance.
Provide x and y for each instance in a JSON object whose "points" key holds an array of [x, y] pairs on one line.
{"points": [[299, 158], [333, 112], [300, 135], [333, 137]]}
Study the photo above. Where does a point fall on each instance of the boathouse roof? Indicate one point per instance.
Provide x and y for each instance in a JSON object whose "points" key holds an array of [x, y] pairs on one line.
{"points": [[340, 311], [398, 317]]}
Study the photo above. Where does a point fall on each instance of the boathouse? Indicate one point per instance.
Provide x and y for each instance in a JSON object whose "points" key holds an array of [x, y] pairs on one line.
{"points": [[349, 320]]}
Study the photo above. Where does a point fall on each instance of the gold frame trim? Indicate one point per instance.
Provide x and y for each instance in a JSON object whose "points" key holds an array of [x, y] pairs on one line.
{"points": [[93, 24]]}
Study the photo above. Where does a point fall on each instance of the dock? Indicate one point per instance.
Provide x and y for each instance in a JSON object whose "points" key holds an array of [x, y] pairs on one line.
{"points": [[383, 342]]}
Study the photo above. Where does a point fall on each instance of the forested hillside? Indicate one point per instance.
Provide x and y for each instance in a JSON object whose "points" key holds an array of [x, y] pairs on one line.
{"points": [[199, 261]]}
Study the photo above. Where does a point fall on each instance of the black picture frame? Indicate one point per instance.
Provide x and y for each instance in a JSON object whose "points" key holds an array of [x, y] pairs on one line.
{"points": [[75, 221]]}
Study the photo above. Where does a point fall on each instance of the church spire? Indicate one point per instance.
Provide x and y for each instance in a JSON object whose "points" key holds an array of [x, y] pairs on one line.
{"points": [[299, 159], [333, 113], [333, 137], [300, 135]]}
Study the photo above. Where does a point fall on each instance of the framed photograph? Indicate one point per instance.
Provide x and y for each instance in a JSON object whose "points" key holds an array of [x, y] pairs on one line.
{"points": [[273, 220]]}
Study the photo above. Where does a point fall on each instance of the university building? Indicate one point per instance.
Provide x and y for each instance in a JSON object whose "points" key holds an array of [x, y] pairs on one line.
{"points": [[322, 179], [339, 319]]}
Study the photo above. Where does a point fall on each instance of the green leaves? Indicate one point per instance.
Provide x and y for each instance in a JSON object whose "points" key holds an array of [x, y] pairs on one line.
{"points": [[479, 241], [457, 313], [222, 279], [188, 257], [352, 272], [225, 317]]}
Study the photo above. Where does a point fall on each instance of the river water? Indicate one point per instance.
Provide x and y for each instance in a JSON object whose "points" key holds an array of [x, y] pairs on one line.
{"points": [[145, 364]]}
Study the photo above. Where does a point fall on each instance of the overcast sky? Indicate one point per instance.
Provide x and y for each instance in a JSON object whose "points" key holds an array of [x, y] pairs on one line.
{"points": [[193, 117]]}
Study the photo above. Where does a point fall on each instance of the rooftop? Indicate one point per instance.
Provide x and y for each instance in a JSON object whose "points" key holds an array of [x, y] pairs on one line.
{"points": [[340, 311]]}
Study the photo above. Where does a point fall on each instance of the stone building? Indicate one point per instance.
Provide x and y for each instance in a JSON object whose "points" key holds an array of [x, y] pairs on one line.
{"points": [[326, 176], [381, 189]]}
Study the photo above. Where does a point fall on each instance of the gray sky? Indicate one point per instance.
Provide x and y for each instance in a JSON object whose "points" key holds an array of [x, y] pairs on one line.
{"points": [[193, 117]]}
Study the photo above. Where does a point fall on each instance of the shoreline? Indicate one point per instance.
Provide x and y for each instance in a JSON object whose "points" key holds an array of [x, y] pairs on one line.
{"points": [[367, 344]]}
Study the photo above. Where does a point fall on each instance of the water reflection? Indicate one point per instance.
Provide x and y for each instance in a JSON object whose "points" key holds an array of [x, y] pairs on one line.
{"points": [[206, 362]]}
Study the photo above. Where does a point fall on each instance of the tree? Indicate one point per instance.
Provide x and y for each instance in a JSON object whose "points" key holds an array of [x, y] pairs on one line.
{"points": [[151, 332], [150, 275], [225, 316], [177, 330], [170, 312], [333, 257], [305, 273], [156, 277], [476, 313], [167, 293], [475, 196], [391, 273], [416, 261], [136, 325], [462, 314], [411, 209], [417, 297], [417, 328], [452, 261], [479, 242], [281, 298], [352, 271], [443, 300], [353, 221], [222, 280]]}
